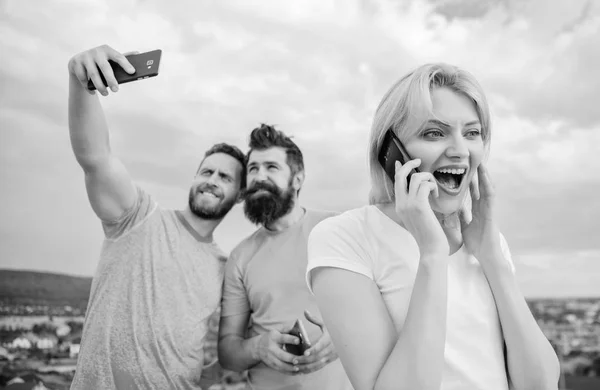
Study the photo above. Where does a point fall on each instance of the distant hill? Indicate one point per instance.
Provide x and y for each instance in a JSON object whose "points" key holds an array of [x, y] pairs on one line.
{"points": [[42, 288]]}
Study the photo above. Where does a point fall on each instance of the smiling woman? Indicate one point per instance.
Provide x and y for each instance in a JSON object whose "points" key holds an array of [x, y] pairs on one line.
{"points": [[418, 289], [411, 108]]}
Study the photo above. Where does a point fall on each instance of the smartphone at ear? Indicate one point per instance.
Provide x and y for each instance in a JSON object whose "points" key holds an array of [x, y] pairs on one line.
{"points": [[145, 64], [298, 331], [391, 151]]}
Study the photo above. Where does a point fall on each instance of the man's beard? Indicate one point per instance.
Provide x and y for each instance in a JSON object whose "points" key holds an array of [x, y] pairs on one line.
{"points": [[208, 212], [268, 206]]}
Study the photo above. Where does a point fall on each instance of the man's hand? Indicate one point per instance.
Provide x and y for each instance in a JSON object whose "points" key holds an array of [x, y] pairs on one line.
{"points": [[89, 64], [320, 354], [270, 352]]}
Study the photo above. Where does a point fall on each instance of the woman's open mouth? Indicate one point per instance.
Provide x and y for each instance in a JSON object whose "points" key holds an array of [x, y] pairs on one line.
{"points": [[450, 179]]}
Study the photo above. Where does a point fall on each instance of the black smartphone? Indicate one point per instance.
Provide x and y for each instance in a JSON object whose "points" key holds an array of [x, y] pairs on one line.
{"points": [[391, 151], [145, 64], [298, 331]]}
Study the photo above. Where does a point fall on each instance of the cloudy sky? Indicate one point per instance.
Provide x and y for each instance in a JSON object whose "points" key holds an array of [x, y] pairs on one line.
{"points": [[317, 69]]}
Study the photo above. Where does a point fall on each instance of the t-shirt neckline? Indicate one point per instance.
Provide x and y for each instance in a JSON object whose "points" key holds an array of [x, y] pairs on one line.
{"points": [[191, 230], [289, 228], [458, 252]]}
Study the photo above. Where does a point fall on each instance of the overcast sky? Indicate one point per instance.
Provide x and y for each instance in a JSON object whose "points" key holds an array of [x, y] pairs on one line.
{"points": [[317, 69]]}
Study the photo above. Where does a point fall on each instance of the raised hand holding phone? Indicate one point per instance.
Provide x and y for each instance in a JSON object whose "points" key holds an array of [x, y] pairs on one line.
{"points": [[412, 189], [103, 67], [393, 150], [145, 65], [413, 207], [87, 66]]}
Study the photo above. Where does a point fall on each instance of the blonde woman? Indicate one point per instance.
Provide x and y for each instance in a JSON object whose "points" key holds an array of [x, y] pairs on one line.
{"points": [[417, 289]]}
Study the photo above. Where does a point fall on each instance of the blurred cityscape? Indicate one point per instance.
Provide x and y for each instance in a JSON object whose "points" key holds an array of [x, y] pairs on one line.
{"points": [[39, 344]]}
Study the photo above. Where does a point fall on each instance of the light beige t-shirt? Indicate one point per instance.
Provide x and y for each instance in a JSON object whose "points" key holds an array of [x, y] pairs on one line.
{"points": [[265, 277], [368, 242], [156, 285]]}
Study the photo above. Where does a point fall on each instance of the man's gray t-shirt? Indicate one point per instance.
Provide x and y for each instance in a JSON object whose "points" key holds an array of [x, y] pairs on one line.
{"points": [[157, 283], [265, 277]]}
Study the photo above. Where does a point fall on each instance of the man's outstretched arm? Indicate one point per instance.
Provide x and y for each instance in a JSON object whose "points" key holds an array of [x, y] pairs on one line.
{"points": [[110, 189]]}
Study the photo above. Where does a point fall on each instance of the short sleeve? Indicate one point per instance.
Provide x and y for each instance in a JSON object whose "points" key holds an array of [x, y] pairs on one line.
{"points": [[339, 242], [143, 206], [506, 252], [235, 299]]}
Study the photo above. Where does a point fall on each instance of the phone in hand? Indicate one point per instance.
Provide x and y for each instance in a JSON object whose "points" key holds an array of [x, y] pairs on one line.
{"points": [[145, 64], [299, 331], [391, 151]]}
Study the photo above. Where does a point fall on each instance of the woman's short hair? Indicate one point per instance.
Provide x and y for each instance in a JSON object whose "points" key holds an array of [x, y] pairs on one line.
{"points": [[407, 106]]}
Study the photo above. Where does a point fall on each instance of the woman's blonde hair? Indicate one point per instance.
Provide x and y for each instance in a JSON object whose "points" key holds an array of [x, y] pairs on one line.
{"points": [[407, 106]]}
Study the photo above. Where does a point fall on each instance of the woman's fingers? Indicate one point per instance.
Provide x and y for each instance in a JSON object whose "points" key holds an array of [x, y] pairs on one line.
{"points": [[424, 180], [486, 188], [425, 189], [474, 187], [401, 177]]}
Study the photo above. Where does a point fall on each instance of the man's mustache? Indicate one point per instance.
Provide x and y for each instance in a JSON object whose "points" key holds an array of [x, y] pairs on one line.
{"points": [[209, 188], [262, 186]]}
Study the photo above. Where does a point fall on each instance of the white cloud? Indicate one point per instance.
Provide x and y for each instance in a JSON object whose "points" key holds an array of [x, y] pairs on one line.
{"points": [[317, 69]]}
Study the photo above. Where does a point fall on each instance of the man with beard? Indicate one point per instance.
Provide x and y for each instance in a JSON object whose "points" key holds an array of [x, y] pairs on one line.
{"points": [[160, 273], [265, 290]]}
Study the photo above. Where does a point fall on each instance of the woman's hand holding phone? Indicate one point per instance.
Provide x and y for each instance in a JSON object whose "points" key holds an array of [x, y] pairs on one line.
{"points": [[412, 205], [481, 234], [87, 66]]}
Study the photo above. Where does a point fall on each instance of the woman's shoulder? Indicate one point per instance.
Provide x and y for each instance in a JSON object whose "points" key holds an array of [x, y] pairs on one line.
{"points": [[344, 241], [354, 221]]}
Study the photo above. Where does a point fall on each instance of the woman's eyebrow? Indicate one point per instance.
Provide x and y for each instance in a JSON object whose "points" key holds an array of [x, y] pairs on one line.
{"points": [[446, 124], [438, 122], [472, 123]]}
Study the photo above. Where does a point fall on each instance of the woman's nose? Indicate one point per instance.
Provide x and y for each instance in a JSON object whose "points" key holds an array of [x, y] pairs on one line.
{"points": [[457, 148]]}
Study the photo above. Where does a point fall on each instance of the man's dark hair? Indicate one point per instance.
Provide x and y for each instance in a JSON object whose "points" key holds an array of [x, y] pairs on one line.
{"points": [[265, 137], [234, 152]]}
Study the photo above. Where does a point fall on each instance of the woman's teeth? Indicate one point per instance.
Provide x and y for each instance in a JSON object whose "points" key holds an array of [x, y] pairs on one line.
{"points": [[458, 171], [450, 178]]}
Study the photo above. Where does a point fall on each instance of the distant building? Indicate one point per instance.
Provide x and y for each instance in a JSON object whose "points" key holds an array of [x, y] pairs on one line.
{"points": [[26, 382], [74, 350], [20, 343], [63, 330], [47, 342], [74, 343], [5, 355]]}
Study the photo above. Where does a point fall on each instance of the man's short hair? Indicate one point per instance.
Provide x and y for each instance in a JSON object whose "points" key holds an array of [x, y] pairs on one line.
{"points": [[266, 136], [234, 152]]}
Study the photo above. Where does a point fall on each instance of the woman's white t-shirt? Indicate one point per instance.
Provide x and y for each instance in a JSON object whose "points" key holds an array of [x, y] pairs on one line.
{"points": [[368, 242]]}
